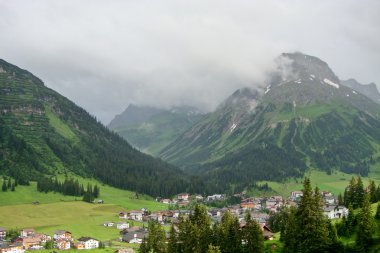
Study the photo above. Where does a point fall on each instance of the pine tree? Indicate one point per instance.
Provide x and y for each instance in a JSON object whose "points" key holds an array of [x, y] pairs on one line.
{"points": [[96, 191], [372, 191], [9, 185], [312, 232], [4, 186], [288, 236], [340, 200], [377, 215], [13, 187], [156, 240], [365, 222], [253, 236], [359, 193], [173, 240]]}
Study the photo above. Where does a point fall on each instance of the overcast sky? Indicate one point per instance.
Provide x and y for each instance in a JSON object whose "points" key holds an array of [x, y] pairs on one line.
{"points": [[104, 55]]}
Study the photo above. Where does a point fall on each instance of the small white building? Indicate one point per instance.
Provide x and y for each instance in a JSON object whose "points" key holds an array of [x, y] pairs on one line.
{"points": [[136, 215], [122, 225], [183, 196], [108, 224], [335, 211], [89, 243]]}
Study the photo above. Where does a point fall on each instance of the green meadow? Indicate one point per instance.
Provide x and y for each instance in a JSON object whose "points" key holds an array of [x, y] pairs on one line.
{"points": [[335, 183], [56, 211]]}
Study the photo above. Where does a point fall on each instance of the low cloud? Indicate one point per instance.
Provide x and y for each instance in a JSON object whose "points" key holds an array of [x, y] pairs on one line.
{"points": [[105, 55]]}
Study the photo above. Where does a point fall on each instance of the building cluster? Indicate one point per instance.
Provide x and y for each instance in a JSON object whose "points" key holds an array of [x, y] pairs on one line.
{"points": [[184, 199], [29, 239]]}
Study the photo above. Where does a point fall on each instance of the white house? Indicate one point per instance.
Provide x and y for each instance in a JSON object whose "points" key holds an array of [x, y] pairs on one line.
{"points": [[136, 215], [296, 194], [27, 232], [122, 225], [89, 243], [108, 224], [335, 211], [136, 239], [183, 196]]}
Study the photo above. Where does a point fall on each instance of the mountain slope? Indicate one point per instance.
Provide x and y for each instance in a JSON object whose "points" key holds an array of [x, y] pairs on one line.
{"points": [[150, 129], [43, 133], [370, 90], [306, 119]]}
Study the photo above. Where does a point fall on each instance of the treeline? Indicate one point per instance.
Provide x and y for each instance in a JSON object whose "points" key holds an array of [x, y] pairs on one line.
{"points": [[68, 187], [8, 185], [355, 192], [196, 234]]}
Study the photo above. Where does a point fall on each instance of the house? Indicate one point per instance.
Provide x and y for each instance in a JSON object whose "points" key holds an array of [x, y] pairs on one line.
{"points": [[335, 211], [89, 243], [215, 197], [198, 197], [122, 225], [123, 215], [63, 244], [27, 232], [183, 196], [268, 234], [36, 241], [108, 224], [6, 247], [62, 234], [295, 195], [136, 237], [166, 201], [136, 215], [3, 233], [247, 205]]}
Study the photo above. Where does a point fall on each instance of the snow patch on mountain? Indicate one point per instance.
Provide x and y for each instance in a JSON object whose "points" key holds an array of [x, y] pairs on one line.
{"points": [[327, 81]]}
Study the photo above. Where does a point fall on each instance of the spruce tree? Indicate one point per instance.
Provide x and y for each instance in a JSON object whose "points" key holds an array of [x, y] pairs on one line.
{"points": [[9, 185], [365, 222], [372, 191], [4, 186], [253, 236], [359, 193], [288, 236], [312, 232], [156, 240], [13, 187], [173, 240], [377, 215]]}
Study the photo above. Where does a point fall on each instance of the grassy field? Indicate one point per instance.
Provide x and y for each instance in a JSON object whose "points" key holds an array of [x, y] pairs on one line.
{"points": [[56, 211], [336, 182]]}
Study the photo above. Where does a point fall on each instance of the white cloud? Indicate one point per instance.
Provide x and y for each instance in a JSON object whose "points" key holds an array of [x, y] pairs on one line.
{"points": [[107, 54]]}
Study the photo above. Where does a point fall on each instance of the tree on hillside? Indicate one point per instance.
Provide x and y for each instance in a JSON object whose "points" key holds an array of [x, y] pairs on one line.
{"points": [[377, 215], [253, 236], [310, 232], [365, 223], [4, 186], [156, 241]]}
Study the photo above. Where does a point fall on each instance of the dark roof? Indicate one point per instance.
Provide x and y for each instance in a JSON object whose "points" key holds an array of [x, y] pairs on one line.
{"points": [[85, 239]]}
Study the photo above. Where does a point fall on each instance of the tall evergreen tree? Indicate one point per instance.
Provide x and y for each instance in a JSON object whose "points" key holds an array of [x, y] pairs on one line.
{"points": [[173, 240], [156, 241], [253, 236], [365, 223], [9, 185], [13, 187], [377, 215], [372, 191], [288, 236], [4, 186]]}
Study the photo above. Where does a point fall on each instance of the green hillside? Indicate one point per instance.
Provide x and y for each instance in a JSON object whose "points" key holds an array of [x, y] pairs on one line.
{"points": [[43, 133], [151, 129], [306, 121]]}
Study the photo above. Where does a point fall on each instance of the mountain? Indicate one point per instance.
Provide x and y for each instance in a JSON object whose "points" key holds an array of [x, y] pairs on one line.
{"points": [[303, 119], [370, 90], [150, 129], [43, 133]]}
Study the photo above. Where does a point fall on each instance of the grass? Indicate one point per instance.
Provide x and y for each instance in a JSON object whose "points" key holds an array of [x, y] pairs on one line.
{"points": [[59, 126], [335, 183], [56, 211]]}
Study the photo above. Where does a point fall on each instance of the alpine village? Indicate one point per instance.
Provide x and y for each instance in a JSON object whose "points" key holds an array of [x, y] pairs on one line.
{"points": [[289, 165]]}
